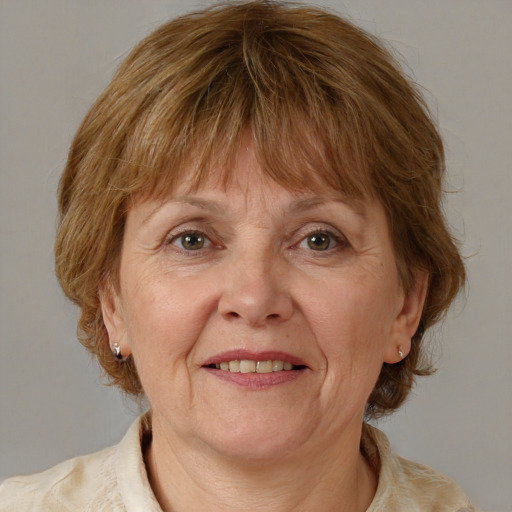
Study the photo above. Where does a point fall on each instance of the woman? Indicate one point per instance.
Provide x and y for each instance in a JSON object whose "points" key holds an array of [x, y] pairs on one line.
{"points": [[250, 223]]}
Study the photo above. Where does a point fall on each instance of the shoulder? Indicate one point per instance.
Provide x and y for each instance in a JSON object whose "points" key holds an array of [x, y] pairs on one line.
{"points": [[429, 488], [408, 486], [82, 483], [108, 480]]}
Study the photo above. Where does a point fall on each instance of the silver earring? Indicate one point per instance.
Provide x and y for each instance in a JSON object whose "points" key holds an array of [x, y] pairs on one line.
{"points": [[400, 352], [116, 351]]}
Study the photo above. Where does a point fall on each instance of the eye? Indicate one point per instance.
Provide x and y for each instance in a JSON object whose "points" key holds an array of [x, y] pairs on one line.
{"points": [[191, 241], [320, 241]]}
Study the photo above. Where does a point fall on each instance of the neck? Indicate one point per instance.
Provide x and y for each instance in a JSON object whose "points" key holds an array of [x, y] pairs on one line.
{"points": [[187, 476]]}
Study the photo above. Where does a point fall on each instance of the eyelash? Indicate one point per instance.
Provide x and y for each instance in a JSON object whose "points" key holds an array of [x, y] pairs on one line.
{"points": [[336, 241], [340, 242], [175, 237]]}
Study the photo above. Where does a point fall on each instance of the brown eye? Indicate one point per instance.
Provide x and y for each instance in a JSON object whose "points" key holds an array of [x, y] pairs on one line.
{"points": [[191, 241], [319, 241]]}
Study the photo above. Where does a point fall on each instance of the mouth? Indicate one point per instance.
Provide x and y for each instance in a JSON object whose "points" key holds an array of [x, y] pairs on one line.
{"points": [[255, 369], [252, 366]]}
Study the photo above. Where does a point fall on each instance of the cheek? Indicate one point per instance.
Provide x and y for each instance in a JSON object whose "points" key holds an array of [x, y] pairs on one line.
{"points": [[161, 318], [352, 321], [161, 330]]}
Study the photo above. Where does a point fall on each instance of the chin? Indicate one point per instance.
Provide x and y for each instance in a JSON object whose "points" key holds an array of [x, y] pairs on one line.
{"points": [[257, 438], [253, 449]]}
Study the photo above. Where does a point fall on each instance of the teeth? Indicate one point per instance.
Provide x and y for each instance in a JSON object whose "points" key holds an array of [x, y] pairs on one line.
{"points": [[264, 367], [249, 366], [277, 366], [234, 366]]}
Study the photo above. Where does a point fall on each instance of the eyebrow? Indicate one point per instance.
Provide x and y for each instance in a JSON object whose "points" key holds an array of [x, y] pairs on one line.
{"points": [[309, 203], [202, 204], [298, 206]]}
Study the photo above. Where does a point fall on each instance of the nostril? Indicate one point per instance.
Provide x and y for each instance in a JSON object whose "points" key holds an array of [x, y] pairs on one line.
{"points": [[256, 305]]}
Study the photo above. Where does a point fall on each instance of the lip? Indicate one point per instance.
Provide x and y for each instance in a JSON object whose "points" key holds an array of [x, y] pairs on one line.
{"points": [[256, 381], [267, 355]]}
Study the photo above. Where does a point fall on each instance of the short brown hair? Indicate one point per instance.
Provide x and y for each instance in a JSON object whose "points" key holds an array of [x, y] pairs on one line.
{"points": [[325, 103]]}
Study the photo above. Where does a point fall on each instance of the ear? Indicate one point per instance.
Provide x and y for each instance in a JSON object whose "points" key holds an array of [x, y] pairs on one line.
{"points": [[113, 318], [406, 322]]}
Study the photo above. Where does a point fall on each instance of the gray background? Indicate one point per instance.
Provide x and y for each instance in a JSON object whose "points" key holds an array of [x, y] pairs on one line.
{"points": [[57, 55]]}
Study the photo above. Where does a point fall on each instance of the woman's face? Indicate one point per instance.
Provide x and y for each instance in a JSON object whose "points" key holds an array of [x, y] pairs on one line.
{"points": [[256, 273]]}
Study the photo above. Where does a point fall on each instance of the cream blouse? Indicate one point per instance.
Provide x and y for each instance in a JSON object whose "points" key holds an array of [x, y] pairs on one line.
{"points": [[115, 480]]}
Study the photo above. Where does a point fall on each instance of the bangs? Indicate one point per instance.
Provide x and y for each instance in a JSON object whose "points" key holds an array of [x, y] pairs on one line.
{"points": [[254, 83]]}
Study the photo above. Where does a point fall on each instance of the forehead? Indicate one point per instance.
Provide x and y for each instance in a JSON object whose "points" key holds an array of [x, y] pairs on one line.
{"points": [[250, 172], [248, 191], [245, 175]]}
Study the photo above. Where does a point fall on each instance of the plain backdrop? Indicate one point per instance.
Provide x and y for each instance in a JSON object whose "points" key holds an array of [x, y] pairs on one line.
{"points": [[57, 55]]}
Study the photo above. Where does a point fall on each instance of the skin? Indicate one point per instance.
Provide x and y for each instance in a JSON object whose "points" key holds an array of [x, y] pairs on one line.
{"points": [[305, 274]]}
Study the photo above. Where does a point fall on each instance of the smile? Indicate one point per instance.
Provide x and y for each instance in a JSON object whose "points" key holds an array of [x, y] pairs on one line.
{"points": [[256, 370], [251, 366]]}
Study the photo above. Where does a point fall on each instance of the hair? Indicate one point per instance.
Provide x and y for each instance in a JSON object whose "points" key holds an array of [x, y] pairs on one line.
{"points": [[326, 105]]}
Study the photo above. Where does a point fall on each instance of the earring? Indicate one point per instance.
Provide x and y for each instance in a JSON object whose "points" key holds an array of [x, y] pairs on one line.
{"points": [[116, 351], [400, 352]]}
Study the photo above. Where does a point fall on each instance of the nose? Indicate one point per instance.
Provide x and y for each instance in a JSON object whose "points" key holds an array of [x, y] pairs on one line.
{"points": [[255, 292]]}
